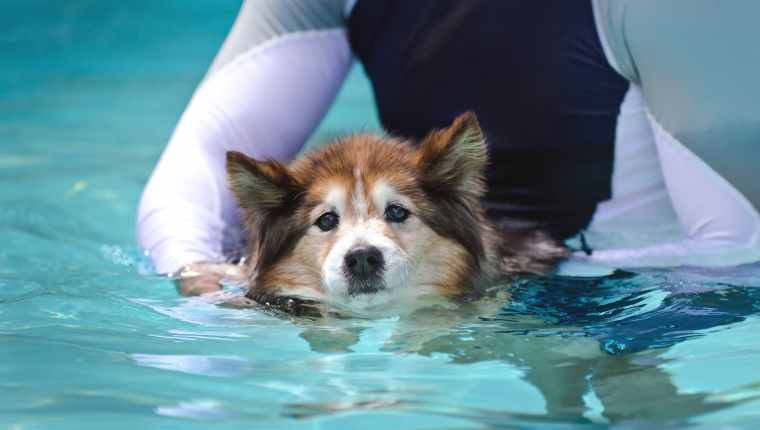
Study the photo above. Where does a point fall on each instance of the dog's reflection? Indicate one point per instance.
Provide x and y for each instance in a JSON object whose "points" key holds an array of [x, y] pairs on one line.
{"points": [[566, 369]]}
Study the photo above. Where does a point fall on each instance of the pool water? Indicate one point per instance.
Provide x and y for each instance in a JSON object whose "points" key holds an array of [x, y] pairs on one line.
{"points": [[91, 338]]}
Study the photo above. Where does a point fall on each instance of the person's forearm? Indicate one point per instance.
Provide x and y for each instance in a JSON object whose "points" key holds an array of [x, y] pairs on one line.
{"points": [[265, 101]]}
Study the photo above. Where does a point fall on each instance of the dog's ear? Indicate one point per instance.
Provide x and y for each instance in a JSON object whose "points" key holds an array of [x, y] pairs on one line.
{"points": [[456, 157], [262, 188]]}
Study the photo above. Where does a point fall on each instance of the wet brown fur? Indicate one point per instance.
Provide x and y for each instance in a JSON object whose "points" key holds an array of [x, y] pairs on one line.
{"points": [[443, 176]]}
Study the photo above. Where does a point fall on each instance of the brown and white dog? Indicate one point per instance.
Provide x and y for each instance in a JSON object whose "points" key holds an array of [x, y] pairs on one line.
{"points": [[368, 219]]}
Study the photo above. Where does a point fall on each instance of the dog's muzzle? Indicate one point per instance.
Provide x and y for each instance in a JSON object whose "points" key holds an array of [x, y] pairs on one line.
{"points": [[364, 267]]}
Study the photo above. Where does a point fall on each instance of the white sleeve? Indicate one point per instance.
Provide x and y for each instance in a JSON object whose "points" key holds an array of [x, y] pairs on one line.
{"points": [[265, 102], [702, 125]]}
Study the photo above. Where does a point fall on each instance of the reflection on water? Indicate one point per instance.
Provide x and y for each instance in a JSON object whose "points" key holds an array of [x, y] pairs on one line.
{"points": [[207, 410], [596, 348], [198, 365]]}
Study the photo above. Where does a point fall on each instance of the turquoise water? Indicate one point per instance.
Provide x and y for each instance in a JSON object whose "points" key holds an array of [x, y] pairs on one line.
{"points": [[89, 338]]}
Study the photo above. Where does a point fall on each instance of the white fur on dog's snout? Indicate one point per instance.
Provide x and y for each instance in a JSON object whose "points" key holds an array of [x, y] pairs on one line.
{"points": [[362, 228], [367, 232]]}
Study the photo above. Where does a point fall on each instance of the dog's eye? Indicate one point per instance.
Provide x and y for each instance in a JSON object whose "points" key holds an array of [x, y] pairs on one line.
{"points": [[327, 221], [395, 213]]}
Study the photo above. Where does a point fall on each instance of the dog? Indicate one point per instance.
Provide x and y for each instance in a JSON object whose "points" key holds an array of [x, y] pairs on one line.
{"points": [[367, 220]]}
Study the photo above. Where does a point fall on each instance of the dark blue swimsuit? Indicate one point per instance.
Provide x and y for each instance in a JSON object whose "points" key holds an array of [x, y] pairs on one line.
{"points": [[535, 74]]}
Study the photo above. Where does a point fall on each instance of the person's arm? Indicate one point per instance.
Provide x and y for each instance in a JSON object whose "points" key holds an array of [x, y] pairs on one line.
{"points": [[700, 107], [273, 80]]}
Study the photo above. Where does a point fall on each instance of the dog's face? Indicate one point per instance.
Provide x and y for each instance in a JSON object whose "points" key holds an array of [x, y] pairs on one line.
{"points": [[367, 218]]}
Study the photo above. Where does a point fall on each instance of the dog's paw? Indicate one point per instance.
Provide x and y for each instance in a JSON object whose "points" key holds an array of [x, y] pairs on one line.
{"points": [[202, 278], [238, 302]]}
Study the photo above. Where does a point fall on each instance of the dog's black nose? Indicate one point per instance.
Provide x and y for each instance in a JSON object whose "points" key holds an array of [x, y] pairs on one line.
{"points": [[364, 262]]}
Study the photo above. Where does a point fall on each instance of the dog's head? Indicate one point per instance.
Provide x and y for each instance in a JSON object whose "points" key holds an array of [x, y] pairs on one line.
{"points": [[367, 216]]}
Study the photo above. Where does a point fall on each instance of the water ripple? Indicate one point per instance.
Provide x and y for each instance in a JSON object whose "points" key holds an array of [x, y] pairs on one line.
{"points": [[208, 365]]}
